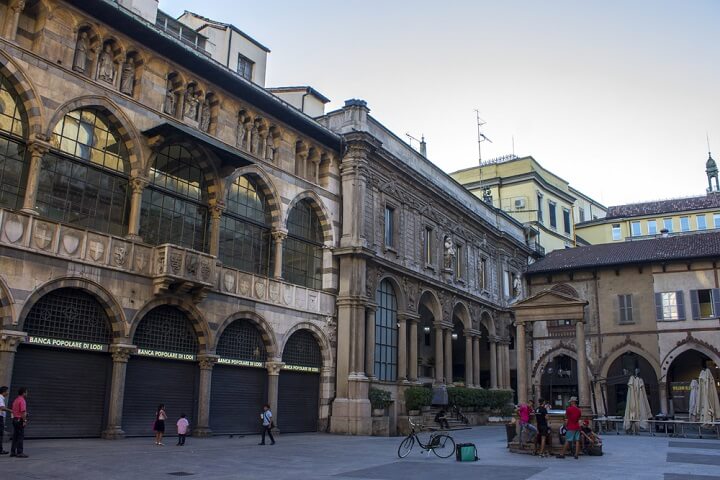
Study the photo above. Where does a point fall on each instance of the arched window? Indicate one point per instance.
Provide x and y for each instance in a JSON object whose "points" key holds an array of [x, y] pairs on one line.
{"points": [[386, 333], [302, 254], [84, 179], [245, 228], [12, 147], [243, 341], [174, 206], [302, 350], [167, 329]]}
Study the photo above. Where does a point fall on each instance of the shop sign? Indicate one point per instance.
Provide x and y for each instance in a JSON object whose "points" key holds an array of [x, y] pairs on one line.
{"points": [[166, 355], [235, 362], [301, 368], [73, 344]]}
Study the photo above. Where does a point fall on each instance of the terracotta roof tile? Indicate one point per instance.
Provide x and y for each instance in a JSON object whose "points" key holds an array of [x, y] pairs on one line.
{"points": [[660, 207]]}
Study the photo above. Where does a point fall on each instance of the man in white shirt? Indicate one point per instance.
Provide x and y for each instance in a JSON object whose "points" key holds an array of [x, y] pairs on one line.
{"points": [[4, 392]]}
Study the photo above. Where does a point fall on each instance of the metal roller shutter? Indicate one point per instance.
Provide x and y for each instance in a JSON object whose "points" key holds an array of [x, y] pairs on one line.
{"points": [[237, 397], [298, 402], [150, 382], [67, 391]]}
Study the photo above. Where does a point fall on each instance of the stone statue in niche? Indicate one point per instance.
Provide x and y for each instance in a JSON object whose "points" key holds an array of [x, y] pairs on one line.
{"points": [[449, 253], [254, 140], [205, 116], [170, 102], [82, 53], [191, 103], [106, 65], [127, 78], [240, 134], [269, 147], [516, 286]]}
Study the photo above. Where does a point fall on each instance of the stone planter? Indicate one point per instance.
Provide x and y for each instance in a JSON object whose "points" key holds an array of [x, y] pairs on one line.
{"points": [[414, 413], [378, 412]]}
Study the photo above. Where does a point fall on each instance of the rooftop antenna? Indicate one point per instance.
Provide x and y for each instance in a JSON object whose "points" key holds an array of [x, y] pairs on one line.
{"points": [[481, 136], [707, 137], [423, 145]]}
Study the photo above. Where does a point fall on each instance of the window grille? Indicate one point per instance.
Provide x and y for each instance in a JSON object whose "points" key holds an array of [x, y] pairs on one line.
{"points": [[302, 350], [69, 314], [12, 118], [302, 254], [242, 340], [386, 333], [167, 329]]}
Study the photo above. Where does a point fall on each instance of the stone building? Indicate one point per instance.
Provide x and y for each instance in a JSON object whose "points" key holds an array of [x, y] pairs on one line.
{"points": [[427, 271], [166, 231], [648, 307]]}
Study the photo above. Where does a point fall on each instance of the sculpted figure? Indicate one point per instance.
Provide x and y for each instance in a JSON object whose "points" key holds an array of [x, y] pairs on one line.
{"points": [[270, 147], [82, 52], [170, 100], [240, 134], [449, 253], [127, 79], [205, 116], [191, 103], [254, 140], [106, 67]]}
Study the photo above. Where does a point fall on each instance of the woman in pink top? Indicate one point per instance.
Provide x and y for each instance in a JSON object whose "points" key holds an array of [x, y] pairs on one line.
{"points": [[159, 426]]}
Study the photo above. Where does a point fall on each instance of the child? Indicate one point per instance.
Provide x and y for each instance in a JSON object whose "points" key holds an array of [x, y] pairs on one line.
{"points": [[182, 426], [589, 438], [441, 420]]}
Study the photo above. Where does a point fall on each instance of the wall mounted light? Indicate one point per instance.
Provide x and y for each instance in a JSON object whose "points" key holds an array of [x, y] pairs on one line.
{"points": [[426, 329]]}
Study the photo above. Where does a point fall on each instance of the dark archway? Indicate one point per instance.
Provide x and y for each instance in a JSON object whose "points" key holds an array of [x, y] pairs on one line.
{"points": [[559, 381], [627, 364], [299, 385], [685, 368]]}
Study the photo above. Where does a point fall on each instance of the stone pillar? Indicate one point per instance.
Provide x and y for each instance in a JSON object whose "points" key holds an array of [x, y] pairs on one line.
{"points": [[402, 348], [216, 209], [413, 342], [506, 362], [137, 185], [13, 17], [359, 341], [273, 369], [370, 340], [120, 356], [448, 356], [493, 365], [439, 360], [469, 364], [662, 390], [202, 428], [476, 361], [522, 374], [278, 237], [9, 341], [583, 384], [36, 150]]}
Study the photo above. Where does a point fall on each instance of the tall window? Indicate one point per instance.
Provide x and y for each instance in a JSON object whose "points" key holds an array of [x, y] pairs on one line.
{"points": [[625, 306], [428, 245], [716, 220], [669, 306], [581, 212], [245, 228], [84, 179], [507, 283], [459, 261], [482, 274], [705, 303], [386, 333], [701, 222], [540, 210], [302, 250], [616, 232], [245, 67], [668, 224], [685, 224], [389, 226], [635, 229], [12, 147], [553, 214], [652, 227], [566, 220]]}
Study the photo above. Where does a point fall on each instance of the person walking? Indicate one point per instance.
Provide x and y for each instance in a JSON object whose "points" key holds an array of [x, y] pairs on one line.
{"points": [[19, 413], [267, 424], [542, 426], [159, 426], [524, 410], [4, 392], [572, 414], [182, 427]]}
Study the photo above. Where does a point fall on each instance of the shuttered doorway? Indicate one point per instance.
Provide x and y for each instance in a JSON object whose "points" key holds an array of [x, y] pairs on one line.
{"points": [[298, 402], [237, 397]]}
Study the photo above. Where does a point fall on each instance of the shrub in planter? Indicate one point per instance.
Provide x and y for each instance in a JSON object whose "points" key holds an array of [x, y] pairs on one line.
{"points": [[379, 399], [417, 397]]}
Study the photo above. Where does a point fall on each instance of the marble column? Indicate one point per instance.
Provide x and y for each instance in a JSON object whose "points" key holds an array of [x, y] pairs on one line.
{"points": [[278, 237], [448, 357], [476, 361], [583, 383], [216, 210], [506, 361], [522, 377], [469, 364], [120, 356], [413, 343], [36, 150], [9, 341], [207, 362], [137, 186], [439, 360], [493, 364], [360, 343], [370, 340], [402, 348], [662, 390], [273, 368], [13, 17]]}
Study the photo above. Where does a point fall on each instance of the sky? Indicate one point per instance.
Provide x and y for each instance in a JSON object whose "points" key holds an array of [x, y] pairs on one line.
{"points": [[614, 96]]}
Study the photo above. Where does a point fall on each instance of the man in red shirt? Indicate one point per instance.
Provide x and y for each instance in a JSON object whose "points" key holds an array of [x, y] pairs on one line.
{"points": [[572, 414], [19, 413]]}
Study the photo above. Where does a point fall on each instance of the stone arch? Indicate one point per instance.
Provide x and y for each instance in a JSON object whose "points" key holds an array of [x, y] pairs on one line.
{"points": [[118, 119], [107, 301], [689, 343], [645, 355], [488, 321], [7, 305], [461, 311], [267, 187], [399, 293], [33, 109], [431, 301], [565, 289], [259, 322], [188, 308], [320, 210], [319, 336], [557, 350]]}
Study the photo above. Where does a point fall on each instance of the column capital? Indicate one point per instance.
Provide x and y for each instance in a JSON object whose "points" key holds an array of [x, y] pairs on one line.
{"points": [[121, 352], [274, 367], [138, 184], [371, 307], [217, 207], [207, 361], [38, 147], [10, 339], [279, 234], [409, 317], [17, 5]]}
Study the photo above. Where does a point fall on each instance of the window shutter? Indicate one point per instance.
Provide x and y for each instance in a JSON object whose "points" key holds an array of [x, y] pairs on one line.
{"points": [[716, 302], [658, 307], [628, 308], [694, 304], [680, 305], [619, 308]]}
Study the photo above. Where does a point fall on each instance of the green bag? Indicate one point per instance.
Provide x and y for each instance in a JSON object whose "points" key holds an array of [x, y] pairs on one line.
{"points": [[466, 452]]}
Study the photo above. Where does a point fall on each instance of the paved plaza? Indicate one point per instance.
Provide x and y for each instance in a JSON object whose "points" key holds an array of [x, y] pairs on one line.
{"points": [[322, 456]]}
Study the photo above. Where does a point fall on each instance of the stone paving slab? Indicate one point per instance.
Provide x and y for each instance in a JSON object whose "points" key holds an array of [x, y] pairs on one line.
{"points": [[693, 458], [702, 445], [461, 471], [677, 476]]}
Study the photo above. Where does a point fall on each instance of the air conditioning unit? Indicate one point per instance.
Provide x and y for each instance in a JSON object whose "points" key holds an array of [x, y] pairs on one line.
{"points": [[519, 203]]}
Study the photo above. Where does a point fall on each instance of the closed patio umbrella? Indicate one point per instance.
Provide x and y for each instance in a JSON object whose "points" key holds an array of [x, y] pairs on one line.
{"points": [[694, 404], [637, 407], [708, 403]]}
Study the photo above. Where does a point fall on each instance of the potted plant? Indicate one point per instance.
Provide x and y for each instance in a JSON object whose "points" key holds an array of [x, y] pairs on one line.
{"points": [[379, 401]]}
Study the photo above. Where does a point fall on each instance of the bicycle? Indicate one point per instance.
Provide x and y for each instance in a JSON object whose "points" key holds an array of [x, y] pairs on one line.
{"points": [[441, 444]]}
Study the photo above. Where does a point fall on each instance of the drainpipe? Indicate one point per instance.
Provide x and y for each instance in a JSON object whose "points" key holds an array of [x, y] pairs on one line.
{"points": [[227, 62], [302, 101]]}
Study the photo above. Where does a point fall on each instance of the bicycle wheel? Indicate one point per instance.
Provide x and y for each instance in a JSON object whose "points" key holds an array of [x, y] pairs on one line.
{"points": [[443, 446], [405, 446]]}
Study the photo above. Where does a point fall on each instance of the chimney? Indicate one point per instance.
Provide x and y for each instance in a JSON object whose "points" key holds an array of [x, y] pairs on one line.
{"points": [[146, 9], [423, 147], [664, 233]]}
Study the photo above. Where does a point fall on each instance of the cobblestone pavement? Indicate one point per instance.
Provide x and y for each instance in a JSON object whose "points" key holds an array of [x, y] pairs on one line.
{"points": [[321, 456]]}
